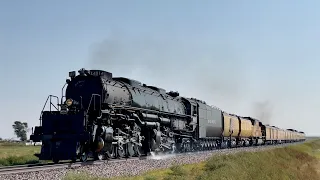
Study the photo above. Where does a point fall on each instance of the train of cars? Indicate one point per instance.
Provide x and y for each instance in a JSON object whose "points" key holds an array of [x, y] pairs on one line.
{"points": [[100, 116]]}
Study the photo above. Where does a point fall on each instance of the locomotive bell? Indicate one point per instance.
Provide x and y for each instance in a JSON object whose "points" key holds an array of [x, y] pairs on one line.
{"points": [[72, 74]]}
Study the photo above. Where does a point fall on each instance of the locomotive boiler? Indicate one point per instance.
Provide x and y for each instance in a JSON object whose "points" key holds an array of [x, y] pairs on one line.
{"points": [[102, 116]]}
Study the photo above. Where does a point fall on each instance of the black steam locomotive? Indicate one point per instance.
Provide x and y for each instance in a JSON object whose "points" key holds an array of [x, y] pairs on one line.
{"points": [[101, 116]]}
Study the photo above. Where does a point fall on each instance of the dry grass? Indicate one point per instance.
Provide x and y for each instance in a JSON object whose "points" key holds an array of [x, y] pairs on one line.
{"points": [[293, 162], [17, 154]]}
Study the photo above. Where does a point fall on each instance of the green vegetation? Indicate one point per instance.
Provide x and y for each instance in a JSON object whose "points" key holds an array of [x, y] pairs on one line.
{"points": [[293, 162], [20, 129], [17, 154]]}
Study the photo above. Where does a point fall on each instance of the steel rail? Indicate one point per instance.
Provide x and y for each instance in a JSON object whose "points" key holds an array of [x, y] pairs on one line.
{"points": [[40, 167]]}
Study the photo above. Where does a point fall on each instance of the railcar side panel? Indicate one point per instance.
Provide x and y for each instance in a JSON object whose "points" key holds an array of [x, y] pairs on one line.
{"points": [[272, 133], [256, 130], [210, 121], [268, 133], [231, 125], [246, 128], [281, 134], [285, 134], [276, 134]]}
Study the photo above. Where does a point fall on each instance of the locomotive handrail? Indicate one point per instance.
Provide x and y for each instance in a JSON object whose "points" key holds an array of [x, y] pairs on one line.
{"points": [[149, 110], [62, 96], [93, 96], [81, 106], [51, 104]]}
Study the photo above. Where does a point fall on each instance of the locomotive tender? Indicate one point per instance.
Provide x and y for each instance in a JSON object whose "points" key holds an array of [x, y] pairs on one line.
{"points": [[111, 117]]}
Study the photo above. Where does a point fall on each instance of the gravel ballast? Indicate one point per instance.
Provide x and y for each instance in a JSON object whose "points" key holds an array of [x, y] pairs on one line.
{"points": [[132, 167]]}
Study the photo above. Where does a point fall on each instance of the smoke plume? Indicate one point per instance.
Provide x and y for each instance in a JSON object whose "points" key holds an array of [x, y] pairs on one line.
{"points": [[212, 70], [263, 111]]}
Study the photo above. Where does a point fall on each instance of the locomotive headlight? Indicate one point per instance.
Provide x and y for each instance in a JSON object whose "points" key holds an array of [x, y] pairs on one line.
{"points": [[69, 102]]}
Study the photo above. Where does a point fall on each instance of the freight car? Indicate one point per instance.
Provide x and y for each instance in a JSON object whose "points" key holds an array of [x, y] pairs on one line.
{"points": [[102, 116]]}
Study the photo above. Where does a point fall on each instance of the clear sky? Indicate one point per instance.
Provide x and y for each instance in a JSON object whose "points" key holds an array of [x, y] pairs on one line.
{"points": [[246, 57]]}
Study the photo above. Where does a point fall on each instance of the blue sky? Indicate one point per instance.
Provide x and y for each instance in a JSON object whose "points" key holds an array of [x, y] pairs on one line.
{"points": [[246, 57]]}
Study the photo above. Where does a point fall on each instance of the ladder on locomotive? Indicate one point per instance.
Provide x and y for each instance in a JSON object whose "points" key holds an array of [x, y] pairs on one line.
{"points": [[57, 107], [93, 101]]}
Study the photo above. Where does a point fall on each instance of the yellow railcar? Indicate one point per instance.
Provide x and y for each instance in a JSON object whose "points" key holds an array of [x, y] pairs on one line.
{"points": [[231, 125], [285, 134], [246, 128], [290, 135], [268, 133], [257, 129], [274, 134]]}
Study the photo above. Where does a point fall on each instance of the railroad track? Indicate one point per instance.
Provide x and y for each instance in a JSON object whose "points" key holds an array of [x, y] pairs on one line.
{"points": [[41, 167], [47, 166]]}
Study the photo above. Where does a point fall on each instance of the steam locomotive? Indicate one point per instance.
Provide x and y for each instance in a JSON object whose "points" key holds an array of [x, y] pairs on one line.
{"points": [[100, 116]]}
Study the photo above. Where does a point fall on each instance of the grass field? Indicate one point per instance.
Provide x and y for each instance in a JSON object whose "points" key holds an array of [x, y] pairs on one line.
{"points": [[289, 163], [17, 154]]}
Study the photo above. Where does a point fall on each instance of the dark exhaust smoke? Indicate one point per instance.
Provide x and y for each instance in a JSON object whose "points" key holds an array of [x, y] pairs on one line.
{"points": [[263, 111], [212, 70]]}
